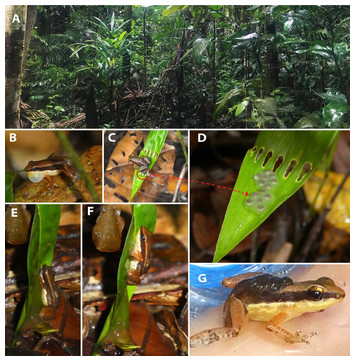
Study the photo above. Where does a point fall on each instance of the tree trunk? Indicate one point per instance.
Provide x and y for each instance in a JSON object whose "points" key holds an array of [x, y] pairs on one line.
{"points": [[90, 109], [213, 68], [126, 60], [272, 58], [144, 49], [17, 40]]}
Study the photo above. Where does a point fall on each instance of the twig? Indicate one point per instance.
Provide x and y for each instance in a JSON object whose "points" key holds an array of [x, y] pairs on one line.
{"points": [[141, 351], [181, 177], [254, 246], [166, 274], [315, 230], [183, 146]]}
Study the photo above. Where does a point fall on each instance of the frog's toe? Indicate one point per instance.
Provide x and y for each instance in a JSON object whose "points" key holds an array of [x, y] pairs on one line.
{"points": [[299, 337]]}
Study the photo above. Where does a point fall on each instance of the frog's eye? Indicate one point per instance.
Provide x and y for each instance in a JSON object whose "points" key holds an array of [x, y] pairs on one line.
{"points": [[315, 293], [35, 177]]}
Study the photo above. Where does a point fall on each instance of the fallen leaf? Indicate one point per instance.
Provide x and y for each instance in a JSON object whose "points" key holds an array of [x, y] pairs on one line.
{"points": [[339, 215], [120, 172]]}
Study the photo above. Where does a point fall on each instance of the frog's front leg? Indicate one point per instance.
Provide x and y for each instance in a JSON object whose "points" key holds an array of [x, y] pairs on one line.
{"points": [[71, 172], [274, 326], [50, 183], [235, 319]]}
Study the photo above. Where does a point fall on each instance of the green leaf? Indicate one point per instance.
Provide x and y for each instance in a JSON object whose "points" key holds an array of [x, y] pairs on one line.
{"points": [[228, 96], [321, 50], [40, 252], [200, 45], [333, 114], [173, 9], [9, 192], [69, 150], [298, 149], [241, 107], [152, 148], [183, 146], [288, 24], [267, 105], [216, 7], [116, 327], [311, 121], [333, 95], [43, 237]]}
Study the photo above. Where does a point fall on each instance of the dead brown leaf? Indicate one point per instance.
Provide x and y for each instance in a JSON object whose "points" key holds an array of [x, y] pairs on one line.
{"points": [[120, 172]]}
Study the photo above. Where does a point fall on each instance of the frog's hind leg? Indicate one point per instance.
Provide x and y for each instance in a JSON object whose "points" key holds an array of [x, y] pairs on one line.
{"points": [[235, 314], [235, 319], [212, 335]]}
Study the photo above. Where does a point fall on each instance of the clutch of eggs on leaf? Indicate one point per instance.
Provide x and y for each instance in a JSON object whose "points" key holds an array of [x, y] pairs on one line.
{"points": [[266, 180]]}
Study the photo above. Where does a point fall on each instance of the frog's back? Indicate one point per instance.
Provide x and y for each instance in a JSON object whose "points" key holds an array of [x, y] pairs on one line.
{"points": [[260, 289]]}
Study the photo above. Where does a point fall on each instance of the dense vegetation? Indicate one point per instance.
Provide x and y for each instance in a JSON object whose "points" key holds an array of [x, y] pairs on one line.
{"points": [[190, 66]]}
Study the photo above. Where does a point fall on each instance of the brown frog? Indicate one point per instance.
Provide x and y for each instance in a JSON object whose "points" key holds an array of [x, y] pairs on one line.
{"points": [[141, 257], [49, 167], [59, 316], [271, 299], [142, 164]]}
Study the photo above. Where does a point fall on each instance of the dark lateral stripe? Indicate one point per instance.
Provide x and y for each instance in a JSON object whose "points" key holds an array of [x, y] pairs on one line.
{"points": [[295, 296], [41, 168]]}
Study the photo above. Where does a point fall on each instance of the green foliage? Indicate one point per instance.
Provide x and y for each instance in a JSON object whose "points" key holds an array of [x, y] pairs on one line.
{"points": [[268, 186], [103, 49], [116, 328], [9, 192], [183, 147], [201, 64]]}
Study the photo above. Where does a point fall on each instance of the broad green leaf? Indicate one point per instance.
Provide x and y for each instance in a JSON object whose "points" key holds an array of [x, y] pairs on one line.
{"points": [[241, 107], [341, 51], [248, 36], [122, 35], [267, 105], [199, 46], [288, 24], [217, 15], [333, 114], [333, 94], [112, 23], [43, 237], [9, 192], [152, 148], [311, 121], [267, 185], [40, 252], [321, 50], [116, 328], [216, 7], [173, 9], [228, 96]]}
